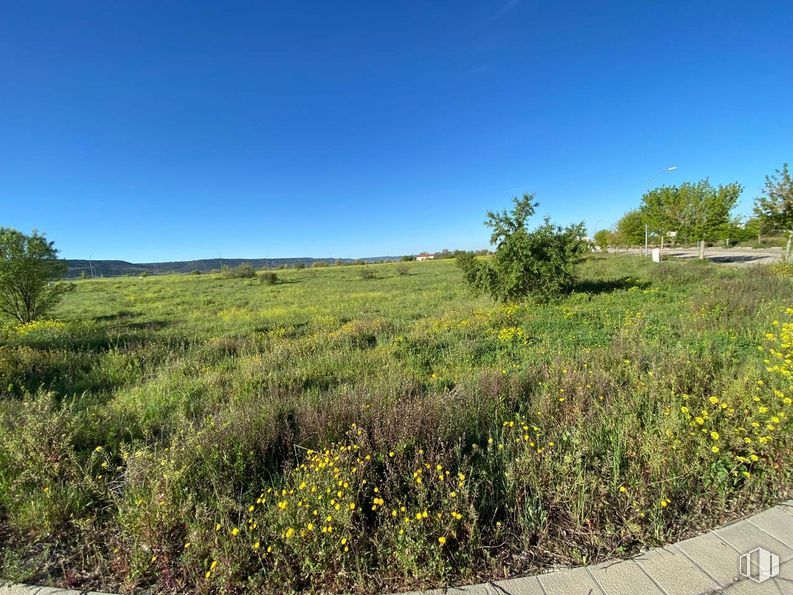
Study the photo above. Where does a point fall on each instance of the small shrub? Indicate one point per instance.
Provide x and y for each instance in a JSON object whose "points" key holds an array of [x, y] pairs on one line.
{"points": [[402, 269], [244, 271], [195, 272], [366, 273], [300, 265], [268, 278]]}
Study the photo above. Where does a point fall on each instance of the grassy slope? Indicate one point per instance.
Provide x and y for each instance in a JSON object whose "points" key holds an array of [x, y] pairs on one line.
{"points": [[160, 407]]}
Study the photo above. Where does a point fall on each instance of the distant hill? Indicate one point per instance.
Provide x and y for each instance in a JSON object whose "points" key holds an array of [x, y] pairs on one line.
{"points": [[118, 268]]}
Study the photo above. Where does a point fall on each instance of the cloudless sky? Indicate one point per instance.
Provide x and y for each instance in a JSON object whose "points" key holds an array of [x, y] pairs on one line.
{"points": [[164, 130]]}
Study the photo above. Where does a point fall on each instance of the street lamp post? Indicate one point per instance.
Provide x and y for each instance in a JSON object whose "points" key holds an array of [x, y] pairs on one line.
{"points": [[646, 228]]}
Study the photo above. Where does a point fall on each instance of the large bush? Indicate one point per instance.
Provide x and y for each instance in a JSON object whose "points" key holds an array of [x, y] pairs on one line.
{"points": [[538, 263]]}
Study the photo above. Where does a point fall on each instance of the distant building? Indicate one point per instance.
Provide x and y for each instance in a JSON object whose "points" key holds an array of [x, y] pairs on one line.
{"points": [[425, 256]]}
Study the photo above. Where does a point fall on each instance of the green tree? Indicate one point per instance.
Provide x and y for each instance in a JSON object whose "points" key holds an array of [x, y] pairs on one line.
{"points": [[29, 274], [538, 263], [738, 230], [695, 211], [603, 239], [775, 207], [663, 210], [754, 228], [707, 210], [630, 229]]}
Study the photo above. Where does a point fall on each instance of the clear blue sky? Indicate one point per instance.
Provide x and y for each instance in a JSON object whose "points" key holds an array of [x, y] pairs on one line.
{"points": [[163, 130]]}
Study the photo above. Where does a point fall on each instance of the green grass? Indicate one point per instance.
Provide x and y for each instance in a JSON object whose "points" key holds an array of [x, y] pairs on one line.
{"points": [[157, 408]]}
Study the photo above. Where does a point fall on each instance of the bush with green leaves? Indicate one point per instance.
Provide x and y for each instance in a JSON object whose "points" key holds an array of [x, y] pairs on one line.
{"points": [[268, 278], [29, 274], [526, 263], [244, 271]]}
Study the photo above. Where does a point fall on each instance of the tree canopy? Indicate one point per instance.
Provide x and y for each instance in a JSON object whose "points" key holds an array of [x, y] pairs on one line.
{"points": [[775, 207], [29, 271], [708, 209], [630, 228], [603, 238], [696, 211]]}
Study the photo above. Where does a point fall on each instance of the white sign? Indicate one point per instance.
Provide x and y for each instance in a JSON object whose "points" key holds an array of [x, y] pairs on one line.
{"points": [[656, 255]]}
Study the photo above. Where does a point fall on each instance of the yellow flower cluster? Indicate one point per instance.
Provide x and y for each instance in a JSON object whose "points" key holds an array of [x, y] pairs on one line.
{"points": [[326, 502], [315, 511], [513, 334], [780, 351], [632, 320], [520, 430], [740, 433], [429, 506], [40, 326]]}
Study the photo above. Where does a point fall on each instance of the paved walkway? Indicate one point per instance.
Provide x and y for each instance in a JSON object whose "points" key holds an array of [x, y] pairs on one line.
{"points": [[708, 563]]}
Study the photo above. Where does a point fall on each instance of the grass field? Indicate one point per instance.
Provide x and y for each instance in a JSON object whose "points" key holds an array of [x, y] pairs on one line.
{"points": [[340, 433]]}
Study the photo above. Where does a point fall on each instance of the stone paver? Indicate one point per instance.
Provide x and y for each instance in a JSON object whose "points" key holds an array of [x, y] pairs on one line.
{"points": [[744, 536], [577, 581], [712, 555], [518, 586], [623, 576], [777, 522], [782, 584], [674, 572]]}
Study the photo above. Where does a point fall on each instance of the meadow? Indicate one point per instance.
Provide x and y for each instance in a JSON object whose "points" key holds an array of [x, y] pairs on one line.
{"points": [[347, 432]]}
